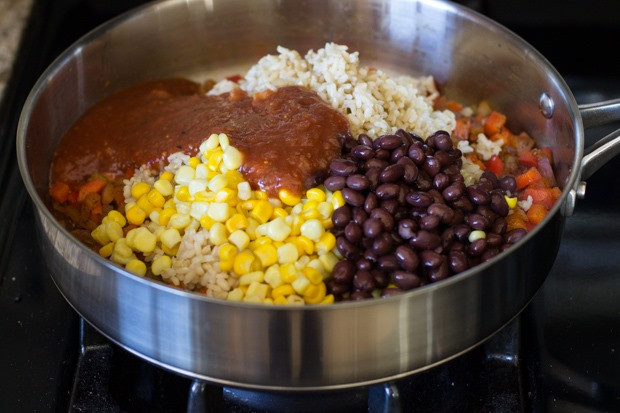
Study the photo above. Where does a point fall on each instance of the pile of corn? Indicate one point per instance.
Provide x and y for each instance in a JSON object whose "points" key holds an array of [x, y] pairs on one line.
{"points": [[280, 251]]}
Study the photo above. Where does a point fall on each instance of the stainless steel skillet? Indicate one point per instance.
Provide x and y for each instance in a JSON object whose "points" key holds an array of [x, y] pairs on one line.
{"points": [[347, 344]]}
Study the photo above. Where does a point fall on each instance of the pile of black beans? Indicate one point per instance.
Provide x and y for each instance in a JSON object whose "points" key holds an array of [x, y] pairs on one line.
{"points": [[408, 214]]}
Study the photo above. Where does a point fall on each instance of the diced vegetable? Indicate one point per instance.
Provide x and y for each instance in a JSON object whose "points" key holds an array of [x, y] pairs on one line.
{"points": [[93, 186], [494, 123], [527, 158], [461, 131], [495, 165], [540, 196], [523, 180], [60, 192], [536, 213]]}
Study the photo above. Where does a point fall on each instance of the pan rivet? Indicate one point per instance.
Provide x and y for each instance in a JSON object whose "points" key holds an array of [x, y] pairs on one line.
{"points": [[547, 105], [581, 190]]}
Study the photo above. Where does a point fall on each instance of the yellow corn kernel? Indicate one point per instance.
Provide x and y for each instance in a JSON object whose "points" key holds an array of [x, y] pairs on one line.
{"points": [[278, 244], [325, 210], [476, 235], [226, 195], [327, 223], [193, 162], [155, 198], [137, 267], [316, 264], [235, 294], [281, 300], [289, 273], [296, 224], [262, 211], [164, 187], [311, 213], [179, 221], [244, 192], [106, 250], [326, 243], [100, 235], [312, 229], [206, 222], [113, 230], [251, 229], [231, 158], [277, 229], [329, 299], [214, 159], [144, 203], [294, 299], [144, 240], [243, 262], [170, 251], [328, 261], [278, 212], [273, 276], [226, 265], [282, 291], [160, 264], [218, 234], [315, 194], [314, 276], [512, 202], [287, 253], [249, 204], [268, 301], [257, 289], [219, 211], [309, 205], [300, 284], [261, 195], [267, 254], [337, 200], [227, 252], [301, 263], [168, 176], [122, 254], [164, 216], [170, 238], [135, 215], [139, 189], [315, 294], [249, 278], [183, 194], [235, 222], [234, 179], [117, 217], [240, 239], [288, 198], [223, 140], [254, 299]]}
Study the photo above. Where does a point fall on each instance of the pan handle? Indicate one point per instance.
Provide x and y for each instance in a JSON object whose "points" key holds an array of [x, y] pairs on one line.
{"points": [[601, 113], [605, 149]]}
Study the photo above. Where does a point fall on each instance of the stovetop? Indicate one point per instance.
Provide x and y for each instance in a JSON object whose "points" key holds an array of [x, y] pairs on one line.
{"points": [[561, 354]]}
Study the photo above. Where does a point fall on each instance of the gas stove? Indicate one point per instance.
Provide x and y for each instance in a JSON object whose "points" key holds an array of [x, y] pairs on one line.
{"points": [[562, 353]]}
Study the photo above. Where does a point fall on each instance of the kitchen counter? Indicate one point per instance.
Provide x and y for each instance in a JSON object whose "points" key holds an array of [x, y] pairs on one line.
{"points": [[13, 17]]}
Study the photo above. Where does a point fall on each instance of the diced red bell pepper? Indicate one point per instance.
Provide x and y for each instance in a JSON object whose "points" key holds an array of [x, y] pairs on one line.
{"points": [[495, 165], [60, 192], [523, 180], [527, 158], [234, 78], [540, 196], [536, 213], [494, 123]]}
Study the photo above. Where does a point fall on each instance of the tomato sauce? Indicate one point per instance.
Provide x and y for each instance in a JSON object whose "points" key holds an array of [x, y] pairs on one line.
{"points": [[288, 137]]}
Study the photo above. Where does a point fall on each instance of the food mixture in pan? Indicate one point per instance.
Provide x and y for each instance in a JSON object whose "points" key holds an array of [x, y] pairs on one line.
{"points": [[308, 180]]}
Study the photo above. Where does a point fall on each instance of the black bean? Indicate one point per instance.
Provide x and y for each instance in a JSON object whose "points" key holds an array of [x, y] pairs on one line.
{"points": [[458, 261], [440, 181], [436, 195], [389, 292], [488, 254], [359, 216], [337, 288], [390, 206], [373, 177], [477, 247], [489, 175], [390, 142], [459, 217], [441, 140], [439, 272], [444, 159], [371, 202], [375, 163], [363, 281], [477, 221], [494, 240], [388, 263], [392, 173], [342, 167], [381, 278], [353, 197], [457, 246], [416, 154], [514, 235], [357, 182], [384, 216], [428, 151], [411, 172], [315, 179], [404, 136], [487, 212], [359, 295], [364, 264], [406, 280], [335, 183], [407, 258], [431, 166], [382, 244], [353, 232], [362, 152], [341, 216], [499, 226], [451, 170], [452, 192], [407, 228], [343, 272], [443, 211], [370, 256], [508, 183], [462, 231], [499, 205], [383, 154], [504, 247], [431, 258], [463, 203], [365, 140], [430, 222], [477, 195], [423, 181], [387, 191], [399, 153], [373, 227], [485, 184], [419, 199], [347, 249], [425, 240]]}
